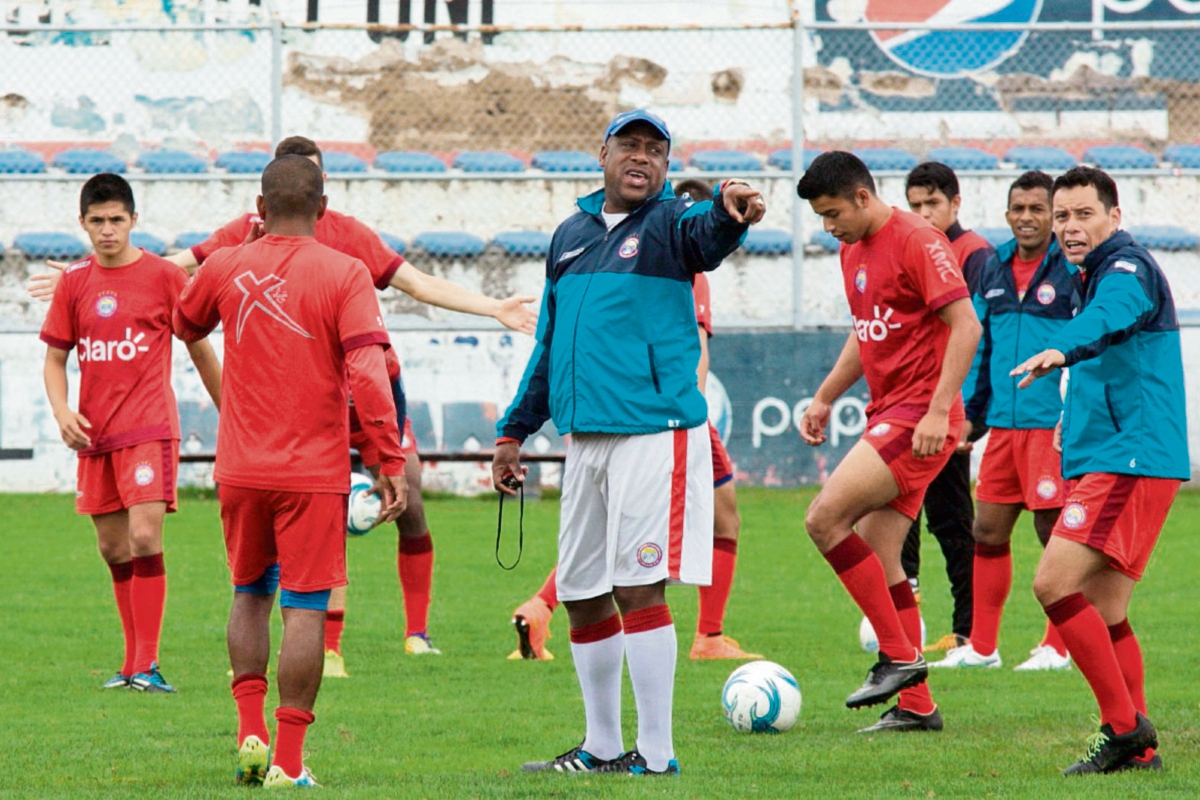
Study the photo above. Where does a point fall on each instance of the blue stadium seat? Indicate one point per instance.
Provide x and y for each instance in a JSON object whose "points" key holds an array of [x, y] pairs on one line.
{"points": [[1050, 159], [825, 241], [23, 162], [190, 239], [148, 242], [566, 161], [782, 159], [448, 244], [995, 236], [171, 162], [1164, 237], [395, 242], [674, 164], [726, 161], [957, 158], [886, 159], [523, 244], [463, 422], [422, 425], [86, 161], [1184, 156], [488, 161], [409, 161], [342, 162], [243, 162], [1119, 156], [58, 246], [767, 242]]}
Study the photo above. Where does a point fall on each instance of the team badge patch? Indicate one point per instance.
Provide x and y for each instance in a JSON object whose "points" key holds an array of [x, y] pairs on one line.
{"points": [[106, 304], [881, 429], [1074, 516], [1045, 294], [629, 247], [860, 280], [143, 474], [1047, 488], [649, 555]]}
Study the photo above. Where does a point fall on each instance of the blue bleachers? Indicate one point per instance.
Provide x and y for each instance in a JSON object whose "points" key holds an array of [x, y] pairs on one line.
{"points": [[1184, 156], [825, 241], [23, 162], [395, 242], [409, 161], [963, 158], [86, 161], [55, 245], [488, 161], [243, 163], [336, 162], [148, 242], [566, 161], [674, 164], [466, 421], [171, 162], [190, 239], [523, 244], [1049, 159], [995, 236], [1119, 156], [782, 159], [1165, 237], [448, 244], [886, 159], [726, 161], [765, 241]]}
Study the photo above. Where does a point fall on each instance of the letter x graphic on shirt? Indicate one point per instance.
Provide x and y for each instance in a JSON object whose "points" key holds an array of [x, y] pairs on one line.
{"points": [[254, 295]]}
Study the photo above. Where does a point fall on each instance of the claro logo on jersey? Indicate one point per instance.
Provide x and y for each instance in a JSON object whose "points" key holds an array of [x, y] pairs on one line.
{"points": [[113, 349], [875, 330]]}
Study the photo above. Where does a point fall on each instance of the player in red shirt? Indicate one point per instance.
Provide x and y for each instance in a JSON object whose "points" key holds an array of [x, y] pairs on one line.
{"points": [[287, 300], [115, 306], [915, 333]]}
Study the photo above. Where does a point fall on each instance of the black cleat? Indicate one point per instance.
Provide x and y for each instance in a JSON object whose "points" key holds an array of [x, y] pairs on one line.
{"points": [[574, 760], [634, 763], [899, 720], [886, 678], [523, 644], [1153, 765], [1108, 752]]}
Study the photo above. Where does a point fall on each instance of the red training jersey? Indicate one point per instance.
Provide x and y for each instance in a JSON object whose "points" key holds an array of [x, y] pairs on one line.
{"points": [[896, 280], [292, 309], [703, 297], [339, 231], [1023, 273], [120, 319]]}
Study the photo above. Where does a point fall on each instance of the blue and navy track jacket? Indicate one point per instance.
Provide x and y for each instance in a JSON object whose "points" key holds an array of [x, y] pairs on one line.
{"points": [[1014, 330], [617, 347], [1125, 411]]}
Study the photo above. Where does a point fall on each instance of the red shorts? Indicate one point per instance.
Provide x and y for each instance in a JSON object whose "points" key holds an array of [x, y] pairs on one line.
{"points": [[368, 453], [305, 532], [1119, 515], [722, 464], [143, 473], [1021, 466], [894, 442]]}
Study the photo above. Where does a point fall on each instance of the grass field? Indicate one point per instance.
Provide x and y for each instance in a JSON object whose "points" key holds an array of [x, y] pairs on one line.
{"points": [[460, 725]]}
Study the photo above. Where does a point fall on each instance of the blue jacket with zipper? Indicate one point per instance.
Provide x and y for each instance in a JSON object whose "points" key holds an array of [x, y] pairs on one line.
{"points": [[617, 347]]}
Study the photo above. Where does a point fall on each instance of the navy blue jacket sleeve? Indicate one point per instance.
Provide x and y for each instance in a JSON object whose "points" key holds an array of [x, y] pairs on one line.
{"points": [[707, 234], [1117, 309], [978, 386], [973, 266]]}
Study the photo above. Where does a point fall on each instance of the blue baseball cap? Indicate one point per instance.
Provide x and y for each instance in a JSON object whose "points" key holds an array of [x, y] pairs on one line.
{"points": [[637, 115]]}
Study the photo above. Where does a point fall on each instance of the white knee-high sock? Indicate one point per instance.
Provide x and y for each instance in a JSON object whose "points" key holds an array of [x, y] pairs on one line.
{"points": [[599, 651], [651, 649]]}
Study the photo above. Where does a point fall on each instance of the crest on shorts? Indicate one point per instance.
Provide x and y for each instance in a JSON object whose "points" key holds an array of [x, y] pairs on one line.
{"points": [[1074, 516], [1047, 488], [629, 247], [860, 280], [106, 304], [143, 473], [1045, 294], [881, 429], [649, 555]]}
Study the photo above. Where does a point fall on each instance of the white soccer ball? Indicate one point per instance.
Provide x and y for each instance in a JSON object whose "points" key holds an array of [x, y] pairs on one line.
{"points": [[761, 697], [363, 507], [870, 642]]}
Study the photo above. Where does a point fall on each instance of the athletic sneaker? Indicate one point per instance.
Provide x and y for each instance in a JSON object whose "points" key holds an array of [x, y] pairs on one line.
{"points": [[117, 681], [1044, 658], [532, 623], [718, 647], [1152, 764], [418, 645], [886, 678], [901, 719], [1108, 752], [574, 760], [966, 657], [633, 763], [253, 759], [278, 779], [946, 643], [152, 682], [335, 665]]}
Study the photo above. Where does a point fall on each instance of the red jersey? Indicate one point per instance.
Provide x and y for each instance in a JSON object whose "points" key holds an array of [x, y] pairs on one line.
{"points": [[339, 231], [1023, 273], [896, 280], [703, 297], [120, 319], [292, 309]]}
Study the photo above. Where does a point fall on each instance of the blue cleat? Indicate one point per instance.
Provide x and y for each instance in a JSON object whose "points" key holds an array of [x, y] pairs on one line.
{"points": [[633, 763], [151, 682], [117, 681]]}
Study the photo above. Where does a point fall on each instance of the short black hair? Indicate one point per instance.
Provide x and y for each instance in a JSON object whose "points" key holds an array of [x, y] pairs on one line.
{"points": [[292, 187], [299, 146], [105, 188], [1106, 187], [835, 174], [694, 188], [1033, 179], [934, 176]]}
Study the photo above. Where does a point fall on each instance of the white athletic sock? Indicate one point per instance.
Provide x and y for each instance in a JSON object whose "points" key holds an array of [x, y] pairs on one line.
{"points": [[598, 665], [651, 655]]}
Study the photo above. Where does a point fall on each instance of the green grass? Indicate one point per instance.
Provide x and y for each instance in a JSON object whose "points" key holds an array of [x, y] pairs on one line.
{"points": [[460, 725]]}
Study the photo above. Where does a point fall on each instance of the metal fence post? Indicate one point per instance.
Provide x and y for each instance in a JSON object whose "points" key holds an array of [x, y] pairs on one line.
{"points": [[797, 168]]}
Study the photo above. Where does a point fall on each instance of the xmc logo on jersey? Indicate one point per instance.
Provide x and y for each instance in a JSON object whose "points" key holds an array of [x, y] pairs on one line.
{"points": [[112, 349], [875, 330]]}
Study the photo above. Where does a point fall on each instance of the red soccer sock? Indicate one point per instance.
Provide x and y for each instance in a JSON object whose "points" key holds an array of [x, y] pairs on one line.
{"points": [[861, 572], [335, 623], [917, 699], [288, 753], [549, 590], [714, 598], [991, 584], [1129, 656], [1086, 635], [122, 578], [1052, 639], [149, 597], [415, 565], [250, 694]]}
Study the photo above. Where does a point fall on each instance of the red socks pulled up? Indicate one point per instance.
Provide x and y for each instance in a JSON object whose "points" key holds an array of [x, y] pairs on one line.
{"points": [[414, 563]]}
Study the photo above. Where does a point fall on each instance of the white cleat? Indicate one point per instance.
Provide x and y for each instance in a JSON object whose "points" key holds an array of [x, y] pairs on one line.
{"points": [[966, 657], [1044, 658]]}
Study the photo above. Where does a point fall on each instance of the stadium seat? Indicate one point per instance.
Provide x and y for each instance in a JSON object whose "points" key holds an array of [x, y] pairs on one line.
{"points": [[58, 246], [148, 242], [1050, 159], [1184, 156], [488, 161], [189, 239], [995, 236], [22, 162], [198, 421], [726, 161], [171, 162], [448, 244], [422, 425], [825, 241], [464, 422], [1164, 237], [782, 159], [523, 244], [767, 242], [566, 161], [885, 159], [1119, 156], [336, 162], [409, 161], [248, 162], [674, 164], [964, 158], [395, 242], [86, 161]]}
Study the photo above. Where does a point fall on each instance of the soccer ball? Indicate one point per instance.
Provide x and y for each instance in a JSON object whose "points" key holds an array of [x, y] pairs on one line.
{"points": [[364, 507], [761, 697], [870, 643]]}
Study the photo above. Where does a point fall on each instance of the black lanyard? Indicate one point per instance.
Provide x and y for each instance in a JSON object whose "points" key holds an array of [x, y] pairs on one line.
{"points": [[520, 529]]}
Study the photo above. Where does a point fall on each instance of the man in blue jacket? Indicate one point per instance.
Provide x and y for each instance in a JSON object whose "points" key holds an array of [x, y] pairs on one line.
{"points": [[615, 367], [1124, 445]]}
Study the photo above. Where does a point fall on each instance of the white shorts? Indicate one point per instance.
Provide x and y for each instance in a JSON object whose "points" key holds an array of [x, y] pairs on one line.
{"points": [[636, 510]]}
